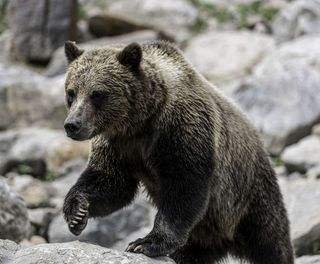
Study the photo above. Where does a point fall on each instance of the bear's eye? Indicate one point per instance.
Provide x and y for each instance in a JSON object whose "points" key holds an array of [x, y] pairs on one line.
{"points": [[70, 97], [97, 97]]}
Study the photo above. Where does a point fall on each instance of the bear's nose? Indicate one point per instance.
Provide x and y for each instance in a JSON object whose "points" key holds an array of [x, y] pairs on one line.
{"points": [[72, 127]]}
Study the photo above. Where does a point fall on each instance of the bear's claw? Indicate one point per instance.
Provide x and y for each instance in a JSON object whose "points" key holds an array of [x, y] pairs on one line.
{"points": [[152, 246], [76, 214]]}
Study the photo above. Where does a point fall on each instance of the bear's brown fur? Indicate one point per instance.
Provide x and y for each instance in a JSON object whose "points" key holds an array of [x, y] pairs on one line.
{"points": [[153, 119]]}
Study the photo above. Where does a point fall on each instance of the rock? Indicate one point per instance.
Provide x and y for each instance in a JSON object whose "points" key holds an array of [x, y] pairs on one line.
{"points": [[14, 223], [109, 25], [40, 218], [58, 64], [175, 20], [301, 198], [313, 173], [36, 195], [24, 149], [28, 98], [316, 130], [66, 150], [308, 260], [63, 184], [303, 155], [72, 252], [280, 97], [242, 49], [104, 231], [298, 18], [5, 41], [18, 182], [41, 27], [34, 192], [142, 232], [37, 240], [7, 250], [74, 165]]}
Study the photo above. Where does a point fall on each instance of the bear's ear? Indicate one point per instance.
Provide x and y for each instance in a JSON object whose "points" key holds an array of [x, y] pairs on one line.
{"points": [[72, 51], [131, 55]]}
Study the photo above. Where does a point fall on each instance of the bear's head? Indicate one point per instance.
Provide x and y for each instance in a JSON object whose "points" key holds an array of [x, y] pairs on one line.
{"points": [[102, 88]]}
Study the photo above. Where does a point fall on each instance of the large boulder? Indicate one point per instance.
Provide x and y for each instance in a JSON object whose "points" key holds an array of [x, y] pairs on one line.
{"points": [[302, 202], [38, 150], [70, 253], [227, 56], [14, 223], [303, 155], [298, 18], [175, 20], [58, 64], [41, 27], [281, 96], [308, 260], [28, 98]]}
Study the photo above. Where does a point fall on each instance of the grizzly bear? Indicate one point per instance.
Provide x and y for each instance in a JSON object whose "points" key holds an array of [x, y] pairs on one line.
{"points": [[154, 121]]}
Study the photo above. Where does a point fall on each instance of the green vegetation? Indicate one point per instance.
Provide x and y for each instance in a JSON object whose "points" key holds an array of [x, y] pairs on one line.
{"points": [[3, 22], [277, 161], [24, 169], [257, 8], [82, 13], [50, 176], [200, 25], [237, 15]]}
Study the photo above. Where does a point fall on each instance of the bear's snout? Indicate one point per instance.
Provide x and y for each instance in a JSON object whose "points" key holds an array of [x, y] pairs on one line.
{"points": [[72, 127]]}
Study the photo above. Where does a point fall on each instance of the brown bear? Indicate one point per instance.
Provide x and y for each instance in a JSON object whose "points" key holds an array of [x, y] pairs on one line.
{"points": [[154, 120]]}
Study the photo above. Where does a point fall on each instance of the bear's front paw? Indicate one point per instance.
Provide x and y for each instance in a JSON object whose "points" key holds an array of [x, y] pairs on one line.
{"points": [[76, 213], [154, 245]]}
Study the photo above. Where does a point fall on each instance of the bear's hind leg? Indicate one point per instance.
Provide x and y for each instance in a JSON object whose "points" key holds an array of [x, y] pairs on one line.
{"points": [[267, 244], [194, 254]]}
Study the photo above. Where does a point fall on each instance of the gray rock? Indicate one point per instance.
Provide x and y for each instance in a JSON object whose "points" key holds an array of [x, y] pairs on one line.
{"points": [[301, 198], [19, 181], [175, 20], [281, 96], [314, 173], [308, 260], [241, 52], [63, 184], [71, 253], [303, 155], [104, 231], [40, 218], [41, 27], [58, 63], [38, 150], [28, 98], [316, 130], [36, 195], [7, 250], [298, 18], [141, 232], [14, 223], [5, 40]]}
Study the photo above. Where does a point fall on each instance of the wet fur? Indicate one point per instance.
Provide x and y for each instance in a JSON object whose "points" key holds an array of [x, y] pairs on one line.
{"points": [[196, 154]]}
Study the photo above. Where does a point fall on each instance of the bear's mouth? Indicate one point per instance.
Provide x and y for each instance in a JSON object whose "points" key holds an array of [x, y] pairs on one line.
{"points": [[81, 135]]}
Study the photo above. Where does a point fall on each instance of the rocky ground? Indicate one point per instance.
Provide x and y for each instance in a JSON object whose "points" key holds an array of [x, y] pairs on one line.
{"points": [[265, 55]]}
